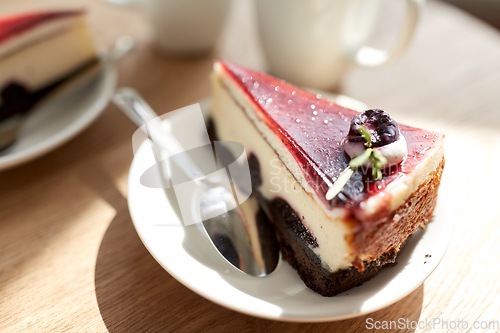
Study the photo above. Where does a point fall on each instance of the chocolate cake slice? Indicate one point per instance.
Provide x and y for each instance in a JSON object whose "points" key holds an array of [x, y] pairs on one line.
{"points": [[298, 145]]}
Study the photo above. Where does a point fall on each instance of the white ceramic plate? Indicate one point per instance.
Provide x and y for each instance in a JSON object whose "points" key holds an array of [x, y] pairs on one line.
{"points": [[190, 258], [60, 118]]}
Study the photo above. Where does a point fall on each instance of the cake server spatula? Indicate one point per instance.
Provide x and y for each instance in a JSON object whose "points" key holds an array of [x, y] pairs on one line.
{"points": [[256, 256]]}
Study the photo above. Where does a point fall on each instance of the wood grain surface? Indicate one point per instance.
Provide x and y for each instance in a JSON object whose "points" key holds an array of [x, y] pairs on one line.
{"points": [[70, 259]]}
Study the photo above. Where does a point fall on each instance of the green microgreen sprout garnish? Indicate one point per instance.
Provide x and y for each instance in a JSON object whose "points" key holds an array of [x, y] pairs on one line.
{"points": [[366, 135], [375, 156]]}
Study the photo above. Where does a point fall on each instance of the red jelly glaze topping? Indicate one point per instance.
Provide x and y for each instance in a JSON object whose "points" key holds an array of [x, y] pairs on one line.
{"points": [[313, 130], [16, 24]]}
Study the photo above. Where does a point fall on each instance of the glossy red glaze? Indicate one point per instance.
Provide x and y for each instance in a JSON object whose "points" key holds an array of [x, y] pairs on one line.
{"points": [[313, 129], [16, 24]]}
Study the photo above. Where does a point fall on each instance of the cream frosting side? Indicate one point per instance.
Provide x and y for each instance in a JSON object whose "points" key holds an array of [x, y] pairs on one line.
{"points": [[400, 190], [282, 176], [58, 48], [278, 182], [280, 149]]}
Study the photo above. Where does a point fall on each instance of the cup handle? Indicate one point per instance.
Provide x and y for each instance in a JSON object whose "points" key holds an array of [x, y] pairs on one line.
{"points": [[367, 56]]}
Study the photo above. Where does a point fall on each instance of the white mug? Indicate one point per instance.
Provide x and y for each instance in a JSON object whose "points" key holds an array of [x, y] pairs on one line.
{"points": [[183, 27], [312, 43]]}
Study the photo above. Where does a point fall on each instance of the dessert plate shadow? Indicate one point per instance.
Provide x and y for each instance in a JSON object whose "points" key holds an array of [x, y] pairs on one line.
{"points": [[186, 253], [60, 118]]}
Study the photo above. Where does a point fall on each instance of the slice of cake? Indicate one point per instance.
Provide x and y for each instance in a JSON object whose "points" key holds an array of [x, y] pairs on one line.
{"points": [[37, 52], [296, 143]]}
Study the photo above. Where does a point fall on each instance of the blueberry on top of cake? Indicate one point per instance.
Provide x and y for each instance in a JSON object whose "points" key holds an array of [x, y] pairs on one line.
{"points": [[299, 145]]}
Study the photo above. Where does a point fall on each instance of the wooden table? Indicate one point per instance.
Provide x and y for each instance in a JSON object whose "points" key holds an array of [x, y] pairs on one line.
{"points": [[70, 259]]}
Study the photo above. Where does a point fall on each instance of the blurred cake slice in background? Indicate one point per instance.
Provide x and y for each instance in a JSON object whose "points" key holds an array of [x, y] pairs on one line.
{"points": [[38, 51]]}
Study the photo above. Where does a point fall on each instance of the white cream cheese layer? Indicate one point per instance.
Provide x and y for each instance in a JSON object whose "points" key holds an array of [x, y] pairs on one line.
{"points": [[282, 177], [46, 54], [232, 124]]}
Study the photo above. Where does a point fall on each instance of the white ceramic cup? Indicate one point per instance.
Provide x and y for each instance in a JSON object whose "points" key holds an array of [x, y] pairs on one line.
{"points": [[313, 42], [183, 27]]}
